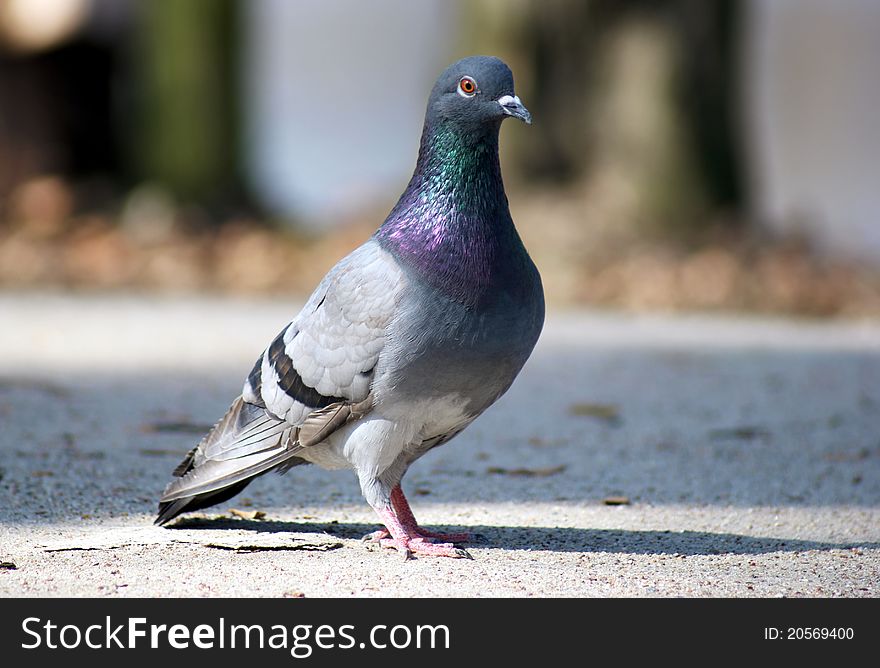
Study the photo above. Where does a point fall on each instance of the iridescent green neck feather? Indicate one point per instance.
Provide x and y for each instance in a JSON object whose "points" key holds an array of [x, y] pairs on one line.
{"points": [[452, 225]]}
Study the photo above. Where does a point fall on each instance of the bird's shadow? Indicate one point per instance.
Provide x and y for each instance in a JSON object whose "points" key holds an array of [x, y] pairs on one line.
{"points": [[557, 539]]}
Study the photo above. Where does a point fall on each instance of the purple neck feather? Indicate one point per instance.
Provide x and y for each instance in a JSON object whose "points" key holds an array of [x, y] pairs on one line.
{"points": [[452, 225]]}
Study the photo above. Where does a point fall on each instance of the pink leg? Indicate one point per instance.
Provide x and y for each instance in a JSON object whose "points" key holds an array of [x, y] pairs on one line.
{"points": [[405, 513], [405, 539], [400, 507]]}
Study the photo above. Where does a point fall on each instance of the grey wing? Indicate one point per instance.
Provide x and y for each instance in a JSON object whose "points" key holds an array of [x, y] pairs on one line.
{"points": [[313, 378], [325, 359]]}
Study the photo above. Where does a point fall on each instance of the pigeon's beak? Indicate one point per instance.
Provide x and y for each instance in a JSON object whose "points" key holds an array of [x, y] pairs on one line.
{"points": [[512, 106]]}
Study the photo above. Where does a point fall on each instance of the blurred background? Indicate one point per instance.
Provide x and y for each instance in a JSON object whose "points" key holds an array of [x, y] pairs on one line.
{"points": [[685, 154]]}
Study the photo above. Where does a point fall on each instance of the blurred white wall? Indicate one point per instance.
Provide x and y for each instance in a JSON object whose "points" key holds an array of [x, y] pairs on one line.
{"points": [[335, 97], [812, 77]]}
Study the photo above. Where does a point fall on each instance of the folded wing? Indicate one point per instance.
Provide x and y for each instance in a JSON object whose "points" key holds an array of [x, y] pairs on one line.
{"points": [[313, 378]]}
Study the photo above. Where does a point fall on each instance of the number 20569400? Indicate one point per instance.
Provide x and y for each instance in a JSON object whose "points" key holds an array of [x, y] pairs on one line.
{"points": [[808, 633]]}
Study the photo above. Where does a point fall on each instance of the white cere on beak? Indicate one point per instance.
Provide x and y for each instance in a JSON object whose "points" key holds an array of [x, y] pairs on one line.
{"points": [[506, 100]]}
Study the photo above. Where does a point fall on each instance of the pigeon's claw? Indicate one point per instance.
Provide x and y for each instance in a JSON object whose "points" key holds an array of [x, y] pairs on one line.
{"points": [[420, 546], [376, 536], [405, 535]]}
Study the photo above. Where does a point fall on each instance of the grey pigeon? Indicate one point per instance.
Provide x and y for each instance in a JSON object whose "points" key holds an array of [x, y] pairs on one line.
{"points": [[406, 341]]}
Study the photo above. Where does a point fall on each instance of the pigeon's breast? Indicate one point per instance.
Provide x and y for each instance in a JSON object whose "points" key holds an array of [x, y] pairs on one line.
{"points": [[440, 347]]}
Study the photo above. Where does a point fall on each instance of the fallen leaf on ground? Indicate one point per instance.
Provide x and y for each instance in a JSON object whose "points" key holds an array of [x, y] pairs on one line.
{"points": [[7, 566], [247, 514], [744, 433], [175, 428], [159, 452], [538, 442], [857, 456], [527, 473], [606, 412], [616, 500]]}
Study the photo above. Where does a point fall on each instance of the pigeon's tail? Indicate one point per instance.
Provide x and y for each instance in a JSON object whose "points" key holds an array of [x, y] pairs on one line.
{"points": [[168, 510], [246, 443]]}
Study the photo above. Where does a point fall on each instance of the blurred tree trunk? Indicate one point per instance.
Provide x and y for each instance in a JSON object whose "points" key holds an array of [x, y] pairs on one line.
{"points": [[640, 91], [30, 143], [709, 91], [187, 98]]}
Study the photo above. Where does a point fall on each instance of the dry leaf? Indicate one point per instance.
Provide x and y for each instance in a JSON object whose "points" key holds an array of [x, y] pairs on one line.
{"points": [[247, 514], [616, 500], [606, 412], [159, 452], [527, 473], [858, 456], [745, 433], [175, 428]]}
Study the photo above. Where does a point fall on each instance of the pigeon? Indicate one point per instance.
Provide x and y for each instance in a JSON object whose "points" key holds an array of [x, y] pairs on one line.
{"points": [[405, 342]]}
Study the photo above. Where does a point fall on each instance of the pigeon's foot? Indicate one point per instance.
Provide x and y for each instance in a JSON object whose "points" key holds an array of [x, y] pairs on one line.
{"points": [[403, 534], [382, 534], [416, 546]]}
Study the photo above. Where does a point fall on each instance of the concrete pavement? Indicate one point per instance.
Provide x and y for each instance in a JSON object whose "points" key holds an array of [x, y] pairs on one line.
{"points": [[748, 451]]}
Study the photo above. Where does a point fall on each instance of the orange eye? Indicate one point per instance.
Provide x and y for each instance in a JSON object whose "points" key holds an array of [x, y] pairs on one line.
{"points": [[467, 87]]}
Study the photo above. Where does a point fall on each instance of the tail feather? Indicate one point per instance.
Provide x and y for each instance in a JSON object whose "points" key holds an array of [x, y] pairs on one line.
{"points": [[244, 444], [168, 510]]}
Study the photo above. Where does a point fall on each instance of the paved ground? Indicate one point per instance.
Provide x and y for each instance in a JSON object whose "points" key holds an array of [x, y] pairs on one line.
{"points": [[749, 451]]}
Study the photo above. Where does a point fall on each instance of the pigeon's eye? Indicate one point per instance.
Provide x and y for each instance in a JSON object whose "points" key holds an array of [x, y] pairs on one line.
{"points": [[467, 87]]}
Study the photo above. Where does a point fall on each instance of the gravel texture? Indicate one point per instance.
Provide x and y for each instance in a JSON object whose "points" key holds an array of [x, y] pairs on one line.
{"points": [[742, 456]]}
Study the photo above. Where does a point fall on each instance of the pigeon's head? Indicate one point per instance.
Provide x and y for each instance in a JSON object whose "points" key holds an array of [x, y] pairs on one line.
{"points": [[474, 92]]}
